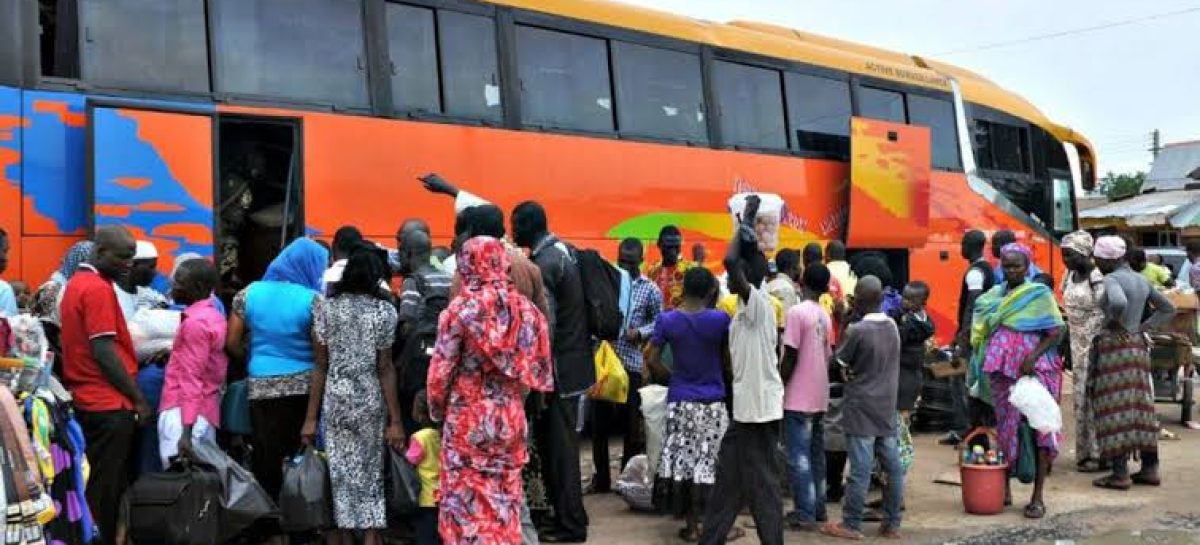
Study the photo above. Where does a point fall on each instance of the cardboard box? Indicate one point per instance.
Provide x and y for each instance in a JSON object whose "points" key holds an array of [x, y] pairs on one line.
{"points": [[1183, 301]]}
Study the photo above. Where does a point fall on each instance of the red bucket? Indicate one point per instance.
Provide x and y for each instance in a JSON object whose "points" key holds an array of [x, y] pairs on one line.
{"points": [[982, 485]]}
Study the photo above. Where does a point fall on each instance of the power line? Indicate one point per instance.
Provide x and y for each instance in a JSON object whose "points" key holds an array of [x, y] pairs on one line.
{"points": [[1061, 33]]}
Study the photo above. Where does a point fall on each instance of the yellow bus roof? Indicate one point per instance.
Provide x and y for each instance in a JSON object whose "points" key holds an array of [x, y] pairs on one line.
{"points": [[794, 45]]}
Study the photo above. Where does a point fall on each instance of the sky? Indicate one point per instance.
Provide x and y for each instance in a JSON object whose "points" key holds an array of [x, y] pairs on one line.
{"points": [[1115, 85]]}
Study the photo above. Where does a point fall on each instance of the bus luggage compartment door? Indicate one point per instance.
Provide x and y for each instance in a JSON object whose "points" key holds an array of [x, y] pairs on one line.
{"points": [[151, 170], [889, 184]]}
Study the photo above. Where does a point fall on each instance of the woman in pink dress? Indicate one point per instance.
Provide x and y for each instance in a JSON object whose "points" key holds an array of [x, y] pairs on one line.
{"points": [[493, 345]]}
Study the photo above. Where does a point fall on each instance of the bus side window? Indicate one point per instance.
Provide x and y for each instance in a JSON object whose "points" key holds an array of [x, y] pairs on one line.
{"points": [[881, 104], [750, 103], [565, 82], [938, 115], [413, 53], [306, 50], [470, 72], [660, 92], [146, 45], [819, 114]]}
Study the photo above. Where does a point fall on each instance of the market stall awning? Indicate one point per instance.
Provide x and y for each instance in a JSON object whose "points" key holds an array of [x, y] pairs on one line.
{"points": [[1176, 209]]}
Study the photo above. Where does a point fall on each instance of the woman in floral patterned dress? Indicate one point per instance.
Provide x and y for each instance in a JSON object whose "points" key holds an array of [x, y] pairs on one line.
{"points": [[493, 344], [1083, 295], [1016, 328]]}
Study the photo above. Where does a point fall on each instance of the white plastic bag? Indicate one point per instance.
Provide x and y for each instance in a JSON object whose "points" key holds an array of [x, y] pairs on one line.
{"points": [[153, 331], [766, 223], [654, 412], [635, 485], [1035, 402]]}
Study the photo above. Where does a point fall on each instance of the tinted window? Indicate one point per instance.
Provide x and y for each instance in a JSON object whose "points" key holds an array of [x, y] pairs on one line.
{"points": [[659, 92], [938, 115], [1032, 197], [750, 103], [818, 113], [301, 49], [470, 81], [880, 104], [145, 43], [564, 80], [412, 48], [1001, 147]]}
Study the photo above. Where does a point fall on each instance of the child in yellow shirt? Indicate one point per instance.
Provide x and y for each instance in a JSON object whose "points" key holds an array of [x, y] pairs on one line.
{"points": [[425, 453]]}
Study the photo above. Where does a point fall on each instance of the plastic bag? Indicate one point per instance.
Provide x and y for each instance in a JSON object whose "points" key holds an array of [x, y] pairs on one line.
{"points": [[153, 331], [766, 223], [403, 487], [1025, 469], [654, 412], [305, 500], [1035, 402], [243, 500], [635, 485], [612, 382]]}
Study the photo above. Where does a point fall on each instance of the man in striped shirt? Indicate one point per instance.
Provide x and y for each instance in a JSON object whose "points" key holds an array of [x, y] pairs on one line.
{"points": [[645, 304]]}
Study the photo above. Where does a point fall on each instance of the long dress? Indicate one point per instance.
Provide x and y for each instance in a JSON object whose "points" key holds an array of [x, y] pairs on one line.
{"points": [[1006, 351], [354, 328], [480, 399], [1081, 301]]}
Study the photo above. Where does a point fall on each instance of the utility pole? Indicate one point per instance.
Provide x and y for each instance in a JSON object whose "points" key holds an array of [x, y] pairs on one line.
{"points": [[1155, 143]]}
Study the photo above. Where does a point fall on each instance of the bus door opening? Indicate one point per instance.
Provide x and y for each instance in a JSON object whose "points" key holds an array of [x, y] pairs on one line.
{"points": [[259, 196]]}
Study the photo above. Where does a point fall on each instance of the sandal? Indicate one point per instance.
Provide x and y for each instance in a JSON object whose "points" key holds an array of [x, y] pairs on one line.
{"points": [[835, 529], [1146, 479], [689, 535], [735, 534], [1112, 482], [1035, 510], [887, 532]]}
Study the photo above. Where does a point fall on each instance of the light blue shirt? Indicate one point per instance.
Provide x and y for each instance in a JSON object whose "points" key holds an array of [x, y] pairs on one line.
{"points": [[1184, 280], [8, 300]]}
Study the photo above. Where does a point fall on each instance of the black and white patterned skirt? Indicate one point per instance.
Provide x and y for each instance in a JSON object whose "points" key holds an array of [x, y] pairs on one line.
{"points": [[692, 441]]}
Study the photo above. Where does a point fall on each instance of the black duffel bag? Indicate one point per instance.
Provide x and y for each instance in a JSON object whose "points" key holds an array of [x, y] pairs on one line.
{"points": [[179, 507]]}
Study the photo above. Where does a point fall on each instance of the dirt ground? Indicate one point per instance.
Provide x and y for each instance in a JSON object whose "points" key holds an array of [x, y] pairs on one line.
{"points": [[1076, 511]]}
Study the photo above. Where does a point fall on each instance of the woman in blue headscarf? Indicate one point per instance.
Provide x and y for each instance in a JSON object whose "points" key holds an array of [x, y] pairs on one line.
{"points": [[277, 312]]}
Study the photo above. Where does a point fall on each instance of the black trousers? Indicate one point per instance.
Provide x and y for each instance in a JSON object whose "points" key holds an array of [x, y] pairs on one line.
{"points": [[835, 474], [109, 437], [558, 443], [604, 418], [747, 474], [277, 424]]}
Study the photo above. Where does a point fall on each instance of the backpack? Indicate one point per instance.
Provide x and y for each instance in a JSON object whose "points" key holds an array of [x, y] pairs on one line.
{"points": [[422, 336], [180, 507], [601, 293]]}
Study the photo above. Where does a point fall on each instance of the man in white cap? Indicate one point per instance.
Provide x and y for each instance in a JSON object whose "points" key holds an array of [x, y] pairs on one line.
{"points": [[133, 291]]}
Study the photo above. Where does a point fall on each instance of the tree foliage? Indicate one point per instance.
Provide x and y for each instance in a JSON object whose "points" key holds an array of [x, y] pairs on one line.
{"points": [[1120, 186]]}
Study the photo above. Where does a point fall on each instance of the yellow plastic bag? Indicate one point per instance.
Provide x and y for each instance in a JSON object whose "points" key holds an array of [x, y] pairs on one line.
{"points": [[612, 383]]}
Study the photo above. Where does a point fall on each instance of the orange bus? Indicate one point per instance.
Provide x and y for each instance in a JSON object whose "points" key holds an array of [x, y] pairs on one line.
{"points": [[226, 127]]}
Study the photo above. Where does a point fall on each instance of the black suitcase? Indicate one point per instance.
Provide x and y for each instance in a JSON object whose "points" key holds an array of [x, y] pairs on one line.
{"points": [[178, 507]]}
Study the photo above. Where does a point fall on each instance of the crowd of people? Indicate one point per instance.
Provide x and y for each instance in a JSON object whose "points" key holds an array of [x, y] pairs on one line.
{"points": [[477, 369]]}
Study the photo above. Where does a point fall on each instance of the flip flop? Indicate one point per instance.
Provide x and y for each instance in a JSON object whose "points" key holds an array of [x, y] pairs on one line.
{"points": [[886, 532], [1144, 479], [689, 536], [735, 534], [835, 529], [1035, 510]]}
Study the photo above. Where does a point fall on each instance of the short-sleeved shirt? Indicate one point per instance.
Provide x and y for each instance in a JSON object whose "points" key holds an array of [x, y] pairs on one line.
{"points": [[807, 331], [757, 387], [871, 349], [729, 305], [89, 311], [696, 340]]}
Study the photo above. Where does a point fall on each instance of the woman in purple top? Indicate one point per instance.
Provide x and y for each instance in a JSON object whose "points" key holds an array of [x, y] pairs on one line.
{"points": [[696, 414]]}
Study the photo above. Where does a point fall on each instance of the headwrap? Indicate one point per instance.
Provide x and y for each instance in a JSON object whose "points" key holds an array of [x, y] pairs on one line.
{"points": [[1017, 248], [145, 250], [302, 262], [79, 253], [497, 321], [1080, 242], [1110, 248]]}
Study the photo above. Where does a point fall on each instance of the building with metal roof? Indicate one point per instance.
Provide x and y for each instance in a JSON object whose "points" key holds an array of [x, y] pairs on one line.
{"points": [[1167, 210]]}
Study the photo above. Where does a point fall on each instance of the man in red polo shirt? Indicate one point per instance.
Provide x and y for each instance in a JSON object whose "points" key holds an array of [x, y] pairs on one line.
{"points": [[99, 366]]}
